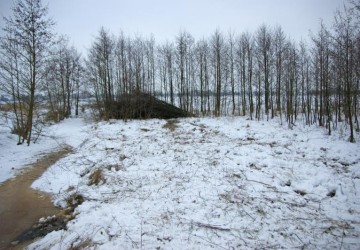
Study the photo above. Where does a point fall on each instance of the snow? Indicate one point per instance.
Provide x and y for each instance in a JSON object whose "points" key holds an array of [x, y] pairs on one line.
{"points": [[14, 158], [212, 183]]}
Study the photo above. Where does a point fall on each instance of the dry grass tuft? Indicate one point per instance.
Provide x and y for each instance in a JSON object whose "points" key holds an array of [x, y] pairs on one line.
{"points": [[84, 244], [74, 200], [171, 124], [6, 107], [96, 177]]}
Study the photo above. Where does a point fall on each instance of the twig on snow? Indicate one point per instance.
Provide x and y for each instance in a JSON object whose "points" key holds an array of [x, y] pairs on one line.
{"points": [[141, 234], [298, 237], [200, 224], [265, 184], [208, 241], [342, 238], [249, 215]]}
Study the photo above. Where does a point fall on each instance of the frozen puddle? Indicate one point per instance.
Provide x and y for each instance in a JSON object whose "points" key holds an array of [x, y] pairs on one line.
{"points": [[21, 206]]}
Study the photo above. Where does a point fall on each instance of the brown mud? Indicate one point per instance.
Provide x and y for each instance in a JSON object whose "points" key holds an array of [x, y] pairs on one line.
{"points": [[21, 207]]}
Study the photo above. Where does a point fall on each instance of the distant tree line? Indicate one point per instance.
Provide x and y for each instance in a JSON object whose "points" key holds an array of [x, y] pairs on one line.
{"points": [[261, 75]]}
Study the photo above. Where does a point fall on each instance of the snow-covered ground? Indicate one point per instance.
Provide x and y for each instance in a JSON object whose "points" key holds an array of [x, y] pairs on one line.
{"points": [[211, 183], [15, 157]]}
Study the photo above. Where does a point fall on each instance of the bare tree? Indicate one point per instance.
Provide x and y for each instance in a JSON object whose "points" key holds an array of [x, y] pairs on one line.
{"points": [[305, 83], [78, 79], [291, 82], [122, 77], [101, 68], [166, 71], [62, 79], [11, 82], [31, 32], [264, 53], [231, 68], [244, 64], [217, 47], [184, 47], [279, 47], [347, 46], [202, 57], [322, 68]]}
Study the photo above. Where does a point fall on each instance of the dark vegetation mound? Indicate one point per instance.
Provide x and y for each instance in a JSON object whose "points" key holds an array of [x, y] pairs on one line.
{"points": [[144, 106]]}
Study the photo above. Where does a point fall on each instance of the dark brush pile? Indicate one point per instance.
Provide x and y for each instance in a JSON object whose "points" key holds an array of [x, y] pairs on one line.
{"points": [[144, 106]]}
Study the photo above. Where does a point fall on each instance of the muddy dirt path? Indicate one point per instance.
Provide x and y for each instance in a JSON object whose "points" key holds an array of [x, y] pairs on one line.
{"points": [[21, 206]]}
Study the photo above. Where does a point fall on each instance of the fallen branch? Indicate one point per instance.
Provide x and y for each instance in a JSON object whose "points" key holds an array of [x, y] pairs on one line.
{"points": [[265, 184], [200, 224]]}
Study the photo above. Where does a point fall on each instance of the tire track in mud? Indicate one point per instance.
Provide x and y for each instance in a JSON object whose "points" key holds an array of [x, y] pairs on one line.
{"points": [[21, 206]]}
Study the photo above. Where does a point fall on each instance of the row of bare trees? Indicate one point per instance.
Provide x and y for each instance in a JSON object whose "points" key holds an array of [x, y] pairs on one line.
{"points": [[63, 79], [117, 66], [261, 75]]}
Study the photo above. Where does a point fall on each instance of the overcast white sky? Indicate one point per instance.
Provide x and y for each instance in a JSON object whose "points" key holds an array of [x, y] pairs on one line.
{"points": [[82, 19]]}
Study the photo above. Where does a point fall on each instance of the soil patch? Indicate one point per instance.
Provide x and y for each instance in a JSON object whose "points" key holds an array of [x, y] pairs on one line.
{"points": [[21, 207]]}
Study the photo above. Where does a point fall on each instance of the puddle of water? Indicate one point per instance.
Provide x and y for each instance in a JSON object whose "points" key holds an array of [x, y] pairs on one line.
{"points": [[21, 206]]}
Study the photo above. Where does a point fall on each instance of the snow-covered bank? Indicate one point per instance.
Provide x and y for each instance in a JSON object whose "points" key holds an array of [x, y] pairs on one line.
{"points": [[14, 157], [211, 183]]}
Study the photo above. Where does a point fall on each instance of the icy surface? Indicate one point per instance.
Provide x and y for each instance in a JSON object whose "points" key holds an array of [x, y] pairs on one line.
{"points": [[226, 183]]}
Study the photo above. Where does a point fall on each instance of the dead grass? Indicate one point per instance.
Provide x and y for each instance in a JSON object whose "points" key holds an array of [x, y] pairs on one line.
{"points": [[84, 244], [74, 200], [96, 177], [6, 107], [9, 107], [171, 124]]}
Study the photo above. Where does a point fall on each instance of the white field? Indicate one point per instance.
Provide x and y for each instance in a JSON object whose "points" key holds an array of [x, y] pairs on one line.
{"points": [[212, 183]]}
